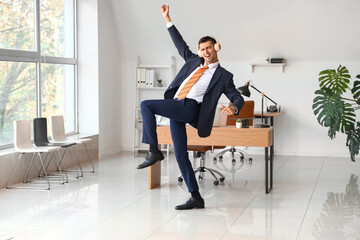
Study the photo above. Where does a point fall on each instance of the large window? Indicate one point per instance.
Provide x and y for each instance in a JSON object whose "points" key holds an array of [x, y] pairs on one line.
{"points": [[37, 62]]}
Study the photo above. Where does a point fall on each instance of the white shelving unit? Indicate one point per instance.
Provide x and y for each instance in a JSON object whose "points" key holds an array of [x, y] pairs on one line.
{"points": [[163, 71], [280, 65]]}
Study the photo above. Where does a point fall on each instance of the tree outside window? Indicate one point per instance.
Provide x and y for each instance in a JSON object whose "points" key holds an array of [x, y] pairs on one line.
{"points": [[26, 93]]}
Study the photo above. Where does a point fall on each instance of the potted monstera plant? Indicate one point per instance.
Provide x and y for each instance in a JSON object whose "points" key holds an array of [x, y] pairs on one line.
{"points": [[335, 104]]}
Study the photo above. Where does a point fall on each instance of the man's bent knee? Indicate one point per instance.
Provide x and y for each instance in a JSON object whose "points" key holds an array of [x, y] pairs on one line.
{"points": [[144, 104]]}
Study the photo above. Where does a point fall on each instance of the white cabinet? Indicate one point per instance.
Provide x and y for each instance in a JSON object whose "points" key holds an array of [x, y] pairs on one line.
{"points": [[159, 70]]}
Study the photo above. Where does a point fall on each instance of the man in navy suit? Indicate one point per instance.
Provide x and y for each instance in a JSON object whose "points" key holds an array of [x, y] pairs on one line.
{"points": [[189, 103]]}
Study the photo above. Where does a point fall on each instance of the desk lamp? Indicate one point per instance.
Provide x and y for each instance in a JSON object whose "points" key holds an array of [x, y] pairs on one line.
{"points": [[244, 90]]}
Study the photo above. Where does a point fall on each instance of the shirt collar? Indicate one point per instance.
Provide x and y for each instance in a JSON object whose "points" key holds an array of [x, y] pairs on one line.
{"points": [[212, 65]]}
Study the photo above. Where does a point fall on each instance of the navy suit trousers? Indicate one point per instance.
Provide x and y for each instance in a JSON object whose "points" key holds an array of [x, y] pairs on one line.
{"points": [[179, 113]]}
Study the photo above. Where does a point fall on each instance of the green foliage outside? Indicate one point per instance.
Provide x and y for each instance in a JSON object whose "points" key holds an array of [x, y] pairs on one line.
{"points": [[18, 79]]}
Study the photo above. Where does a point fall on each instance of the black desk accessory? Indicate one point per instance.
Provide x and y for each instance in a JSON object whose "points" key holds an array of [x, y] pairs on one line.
{"points": [[244, 90], [275, 60]]}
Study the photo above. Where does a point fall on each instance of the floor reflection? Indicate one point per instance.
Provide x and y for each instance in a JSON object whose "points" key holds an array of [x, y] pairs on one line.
{"points": [[340, 217]]}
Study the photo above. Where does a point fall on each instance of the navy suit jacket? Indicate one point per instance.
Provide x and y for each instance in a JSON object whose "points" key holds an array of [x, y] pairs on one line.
{"points": [[221, 82]]}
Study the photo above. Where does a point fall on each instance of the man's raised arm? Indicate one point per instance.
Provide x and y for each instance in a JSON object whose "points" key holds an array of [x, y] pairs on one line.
{"points": [[165, 12]]}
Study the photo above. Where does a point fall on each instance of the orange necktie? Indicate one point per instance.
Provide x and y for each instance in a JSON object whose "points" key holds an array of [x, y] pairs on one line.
{"points": [[189, 84]]}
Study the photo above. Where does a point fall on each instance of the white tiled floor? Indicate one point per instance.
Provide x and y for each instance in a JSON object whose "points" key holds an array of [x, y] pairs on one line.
{"points": [[313, 198]]}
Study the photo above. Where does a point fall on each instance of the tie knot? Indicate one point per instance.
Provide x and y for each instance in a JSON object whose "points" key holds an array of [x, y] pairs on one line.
{"points": [[206, 67]]}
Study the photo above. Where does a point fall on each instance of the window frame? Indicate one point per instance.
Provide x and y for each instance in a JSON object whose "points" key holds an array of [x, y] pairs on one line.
{"points": [[14, 55]]}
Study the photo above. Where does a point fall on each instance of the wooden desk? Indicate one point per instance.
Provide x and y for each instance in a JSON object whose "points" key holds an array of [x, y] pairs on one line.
{"points": [[222, 136], [269, 115]]}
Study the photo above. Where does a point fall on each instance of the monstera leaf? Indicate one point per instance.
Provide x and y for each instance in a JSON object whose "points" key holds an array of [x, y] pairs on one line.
{"points": [[356, 90], [347, 119], [336, 80], [328, 107], [353, 141], [335, 111]]}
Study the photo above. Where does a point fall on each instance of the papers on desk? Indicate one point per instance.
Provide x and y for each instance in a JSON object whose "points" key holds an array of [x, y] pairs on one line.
{"points": [[217, 117], [162, 121]]}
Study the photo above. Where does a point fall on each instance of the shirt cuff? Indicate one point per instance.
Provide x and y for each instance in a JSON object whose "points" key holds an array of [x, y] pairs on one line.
{"points": [[169, 24]]}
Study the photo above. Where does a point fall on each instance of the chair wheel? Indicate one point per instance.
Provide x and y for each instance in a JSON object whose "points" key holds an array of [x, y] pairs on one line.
{"points": [[216, 182], [200, 178], [222, 179], [242, 157], [233, 161], [180, 179], [220, 157]]}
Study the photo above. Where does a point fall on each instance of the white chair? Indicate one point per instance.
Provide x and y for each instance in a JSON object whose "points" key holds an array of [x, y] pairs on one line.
{"points": [[58, 135], [23, 145]]}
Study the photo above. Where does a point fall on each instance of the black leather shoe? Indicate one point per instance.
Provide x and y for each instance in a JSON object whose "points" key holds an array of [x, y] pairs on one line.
{"points": [[191, 203], [151, 159]]}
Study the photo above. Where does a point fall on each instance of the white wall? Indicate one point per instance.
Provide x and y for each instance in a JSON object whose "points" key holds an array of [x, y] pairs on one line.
{"points": [[88, 67], [99, 75], [310, 35], [297, 131], [109, 83]]}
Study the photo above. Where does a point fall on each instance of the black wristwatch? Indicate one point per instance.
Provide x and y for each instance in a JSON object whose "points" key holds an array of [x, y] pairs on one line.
{"points": [[236, 109]]}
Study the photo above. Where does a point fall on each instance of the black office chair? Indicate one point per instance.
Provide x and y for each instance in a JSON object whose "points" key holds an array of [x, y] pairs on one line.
{"points": [[41, 139], [200, 151]]}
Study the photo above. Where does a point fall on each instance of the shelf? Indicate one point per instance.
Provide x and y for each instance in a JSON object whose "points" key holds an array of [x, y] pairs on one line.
{"points": [[146, 148], [253, 65], [154, 66], [152, 88], [146, 74]]}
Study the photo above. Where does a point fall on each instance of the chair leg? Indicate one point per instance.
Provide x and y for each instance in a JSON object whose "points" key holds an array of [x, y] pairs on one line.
{"points": [[12, 172], [213, 174], [62, 166], [220, 154], [232, 150], [33, 188], [72, 160], [245, 154], [54, 177], [46, 176], [58, 166], [203, 169], [90, 160], [217, 172], [47, 164], [77, 159], [33, 165], [29, 167]]}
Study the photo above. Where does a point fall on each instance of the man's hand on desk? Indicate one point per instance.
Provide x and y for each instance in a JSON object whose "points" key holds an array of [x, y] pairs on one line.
{"points": [[228, 110]]}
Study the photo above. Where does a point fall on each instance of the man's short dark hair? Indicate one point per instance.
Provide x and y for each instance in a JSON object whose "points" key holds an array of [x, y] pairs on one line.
{"points": [[206, 39]]}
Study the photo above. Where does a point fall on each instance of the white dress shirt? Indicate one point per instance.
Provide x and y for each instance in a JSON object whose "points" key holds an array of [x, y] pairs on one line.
{"points": [[197, 91]]}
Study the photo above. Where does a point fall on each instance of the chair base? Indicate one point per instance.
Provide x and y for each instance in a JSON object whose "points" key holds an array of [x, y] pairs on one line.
{"points": [[244, 164], [233, 150], [202, 169]]}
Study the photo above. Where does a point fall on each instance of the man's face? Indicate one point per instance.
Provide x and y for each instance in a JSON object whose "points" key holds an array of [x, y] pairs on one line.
{"points": [[208, 52]]}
